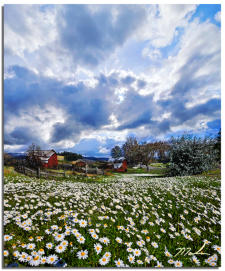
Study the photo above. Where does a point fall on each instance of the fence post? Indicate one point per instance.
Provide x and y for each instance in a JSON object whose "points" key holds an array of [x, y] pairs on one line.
{"points": [[38, 172]]}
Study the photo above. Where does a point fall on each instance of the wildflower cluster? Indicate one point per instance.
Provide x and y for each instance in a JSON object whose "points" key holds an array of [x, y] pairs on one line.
{"points": [[125, 222]]}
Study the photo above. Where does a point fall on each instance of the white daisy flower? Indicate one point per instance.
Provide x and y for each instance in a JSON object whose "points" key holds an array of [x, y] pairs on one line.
{"points": [[104, 260], [60, 248], [119, 263], [5, 253], [81, 240], [52, 259], [31, 246], [83, 254], [137, 252], [217, 248], [83, 223], [98, 248], [49, 245], [178, 264], [7, 237], [131, 258], [104, 240]]}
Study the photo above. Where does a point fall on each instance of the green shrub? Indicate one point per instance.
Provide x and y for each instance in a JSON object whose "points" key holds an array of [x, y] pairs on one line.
{"points": [[191, 155]]}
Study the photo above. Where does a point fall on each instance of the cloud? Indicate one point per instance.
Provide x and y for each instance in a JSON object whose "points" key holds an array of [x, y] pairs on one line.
{"points": [[103, 72], [90, 37], [217, 16]]}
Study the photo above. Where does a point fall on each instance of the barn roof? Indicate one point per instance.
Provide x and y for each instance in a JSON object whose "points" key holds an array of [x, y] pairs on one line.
{"points": [[44, 155], [116, 160]]}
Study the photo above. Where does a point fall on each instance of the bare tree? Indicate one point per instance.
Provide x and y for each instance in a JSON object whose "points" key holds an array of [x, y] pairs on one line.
{"points": [[131, 150], [33, 154]]}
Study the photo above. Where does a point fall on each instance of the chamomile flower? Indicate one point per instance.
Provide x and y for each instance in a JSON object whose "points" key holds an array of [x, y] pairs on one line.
{"points": [[107, 254], [41, 251], [206, 242], [129, 249], [119, 240], [178, 264], [83, 223], [49, 245], [60, 248], [35, 261], [212, 263], [131, 258], [31, 246], [5, 253], [54, 227], [195, 260], [81, 240], [170, 261], [64, 243], [59, 237], [52, 258], [104, 260], [159, 264], [7, 237], [94, 236], [119, 263], [104, 240], [154, 244], [139, 262], [98, 248], [23, 257], [167, 253], [137, 252], [83, 254], [39, 238], [43, 260], [217, 248]]}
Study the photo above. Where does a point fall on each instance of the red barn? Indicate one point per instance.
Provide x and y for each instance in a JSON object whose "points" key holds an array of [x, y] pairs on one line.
{"points": [[48, 158], [119, 164]]}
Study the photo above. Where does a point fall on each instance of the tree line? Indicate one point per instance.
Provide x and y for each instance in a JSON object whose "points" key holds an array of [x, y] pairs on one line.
{"points": [[185, 155]]}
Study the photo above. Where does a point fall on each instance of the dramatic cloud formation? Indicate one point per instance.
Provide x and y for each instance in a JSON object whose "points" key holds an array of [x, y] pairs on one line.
{"points": [[84, 77]]}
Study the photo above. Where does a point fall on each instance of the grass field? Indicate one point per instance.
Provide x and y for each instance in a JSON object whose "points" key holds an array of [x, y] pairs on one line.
{"points": [[112, 221]]}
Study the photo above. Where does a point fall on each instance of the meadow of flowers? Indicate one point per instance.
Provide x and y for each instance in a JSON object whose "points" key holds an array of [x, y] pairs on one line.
{"points": [[119, 222]]}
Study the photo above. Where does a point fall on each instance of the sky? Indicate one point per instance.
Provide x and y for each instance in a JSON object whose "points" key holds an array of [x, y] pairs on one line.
{"points": [[83, 78]]}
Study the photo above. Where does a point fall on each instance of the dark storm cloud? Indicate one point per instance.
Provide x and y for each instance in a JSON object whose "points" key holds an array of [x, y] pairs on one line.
{"points": [[90, 36], [89, 108], [19, 136], [85, 107], [128, 80]]}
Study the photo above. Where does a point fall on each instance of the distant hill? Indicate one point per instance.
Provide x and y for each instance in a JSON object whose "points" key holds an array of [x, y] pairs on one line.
{"points": [[97, 158], [18, 155]]}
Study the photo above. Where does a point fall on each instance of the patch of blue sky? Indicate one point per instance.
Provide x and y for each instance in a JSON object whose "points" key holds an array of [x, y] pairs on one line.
{"points": [[173, 48], [131, 57], [215, 124], [207, 12], [46, 7], [201, 133]]}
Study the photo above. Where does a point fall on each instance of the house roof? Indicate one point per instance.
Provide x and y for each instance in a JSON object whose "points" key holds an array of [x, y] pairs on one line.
{"points": [[78, 161]]}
